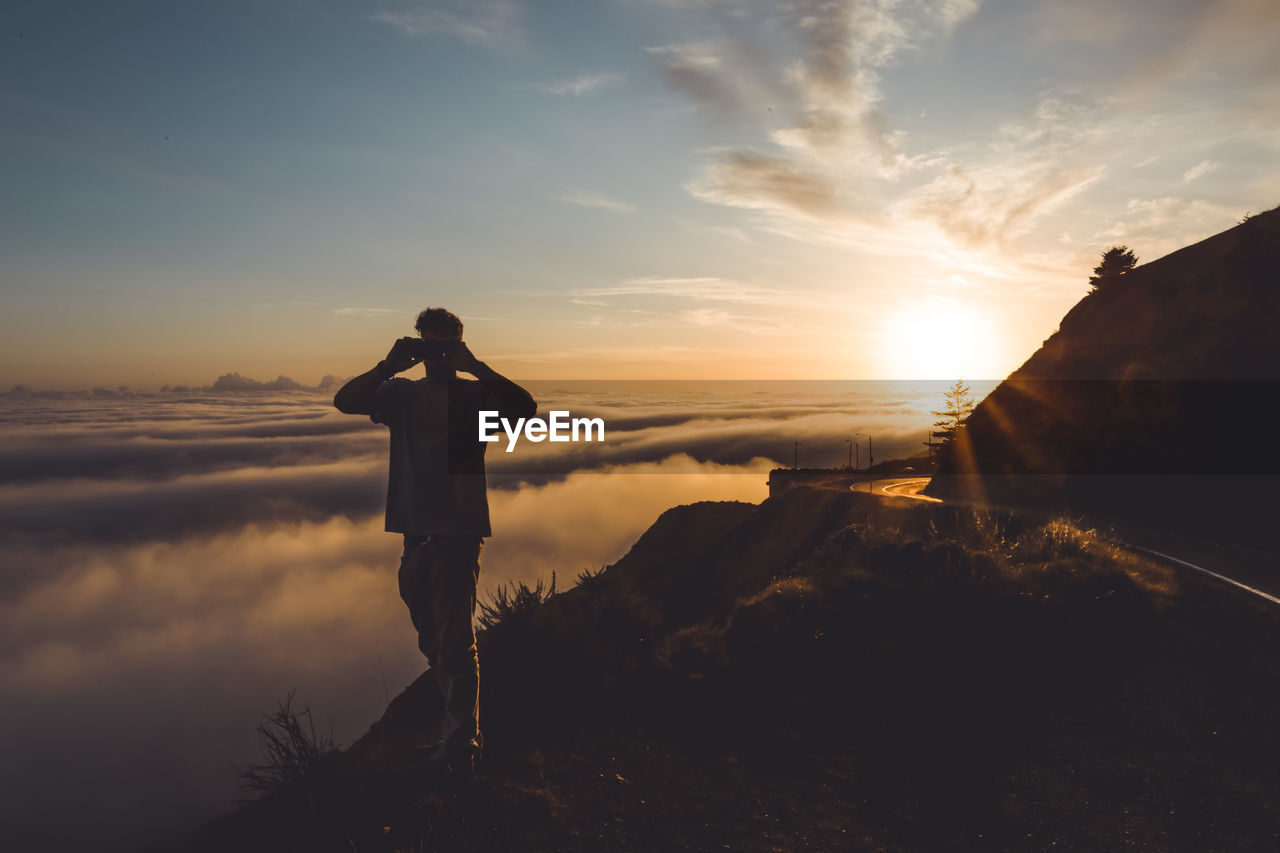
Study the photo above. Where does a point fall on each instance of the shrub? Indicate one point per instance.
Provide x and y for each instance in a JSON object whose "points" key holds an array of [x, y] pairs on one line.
{"points": [[515, 602], [293, 749]]}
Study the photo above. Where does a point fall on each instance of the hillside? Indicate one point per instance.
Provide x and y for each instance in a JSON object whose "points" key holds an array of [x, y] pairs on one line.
{"points": [[1151, 401], [1204, 312], [824, 671]]}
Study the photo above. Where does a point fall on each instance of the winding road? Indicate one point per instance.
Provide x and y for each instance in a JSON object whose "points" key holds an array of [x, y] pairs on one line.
{"points": [[1254, 573]]}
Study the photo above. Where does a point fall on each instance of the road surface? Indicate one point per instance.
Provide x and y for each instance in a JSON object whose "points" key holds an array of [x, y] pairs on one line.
{"points": [[898, 487], [1255, 573]]}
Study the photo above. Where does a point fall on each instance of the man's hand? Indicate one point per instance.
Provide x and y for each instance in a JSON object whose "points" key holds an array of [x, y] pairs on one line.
{"points": [[359, 395], [402, 355], [461, 358]]}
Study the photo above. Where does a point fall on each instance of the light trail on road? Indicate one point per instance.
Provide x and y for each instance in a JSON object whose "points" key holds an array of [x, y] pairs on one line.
{"points": [[1212, 574], [910, 488]]}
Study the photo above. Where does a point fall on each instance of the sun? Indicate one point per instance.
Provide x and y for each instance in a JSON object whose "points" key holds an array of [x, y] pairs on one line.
{"points": [[941, 339]]}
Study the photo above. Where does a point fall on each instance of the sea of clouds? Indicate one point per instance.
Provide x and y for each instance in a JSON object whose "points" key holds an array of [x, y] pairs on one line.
{"points": [[173, 564]]}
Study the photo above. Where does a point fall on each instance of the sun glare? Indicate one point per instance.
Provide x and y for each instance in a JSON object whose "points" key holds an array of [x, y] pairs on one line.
{"points": [[941, 339]]}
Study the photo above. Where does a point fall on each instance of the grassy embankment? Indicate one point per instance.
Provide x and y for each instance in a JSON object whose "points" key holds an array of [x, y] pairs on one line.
{"points": [[829, 671]]}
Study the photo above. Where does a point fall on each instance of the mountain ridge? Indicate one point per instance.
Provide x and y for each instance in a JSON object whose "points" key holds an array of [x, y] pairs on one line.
{"points": [[1139, 405], [1121, 331]]}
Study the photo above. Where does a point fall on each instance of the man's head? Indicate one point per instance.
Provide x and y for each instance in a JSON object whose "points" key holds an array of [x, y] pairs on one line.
{"points": [[438, 325]]}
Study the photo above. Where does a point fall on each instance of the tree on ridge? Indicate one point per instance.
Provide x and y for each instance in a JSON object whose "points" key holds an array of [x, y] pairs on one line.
{"points": [[958, 407], [1116, 261]]}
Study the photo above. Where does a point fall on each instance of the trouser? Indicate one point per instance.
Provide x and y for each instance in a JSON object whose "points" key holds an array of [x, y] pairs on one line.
{"points": [[438, 576]]}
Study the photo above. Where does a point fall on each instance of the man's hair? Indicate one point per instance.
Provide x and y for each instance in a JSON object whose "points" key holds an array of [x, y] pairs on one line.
{"points": [[438, 321]]}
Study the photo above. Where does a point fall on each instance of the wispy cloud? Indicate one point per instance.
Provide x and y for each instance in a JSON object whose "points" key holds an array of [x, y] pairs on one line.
{"points": [[825, 162], [709, 303], [726, 78], [988, 205], [597, 202], [823, 141], [699, 288], [746, 324], [705, 317], [830, 92], [1232, 38], [729, 231], [1199, 170], [369, 312], [625, 355], [747, 179], [1164, 224], [579, 86], [474, 21]]}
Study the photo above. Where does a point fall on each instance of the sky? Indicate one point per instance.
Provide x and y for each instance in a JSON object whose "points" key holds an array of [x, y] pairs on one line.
{"points": [[853, 189]]}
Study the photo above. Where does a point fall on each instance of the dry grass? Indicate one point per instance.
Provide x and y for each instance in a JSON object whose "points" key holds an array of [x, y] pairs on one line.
{"points": [[515, 602], [292, 748]]}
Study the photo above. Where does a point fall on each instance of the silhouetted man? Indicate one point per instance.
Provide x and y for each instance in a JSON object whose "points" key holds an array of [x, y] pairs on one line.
{"points": [[436, 498]]}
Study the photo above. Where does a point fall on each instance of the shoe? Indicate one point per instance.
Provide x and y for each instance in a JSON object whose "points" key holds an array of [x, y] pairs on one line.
{"points": [[453, 762], [452, 766], [458, 773]]}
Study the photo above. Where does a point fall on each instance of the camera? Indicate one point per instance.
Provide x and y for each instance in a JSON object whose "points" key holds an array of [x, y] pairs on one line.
{"points": [[434, 350]]}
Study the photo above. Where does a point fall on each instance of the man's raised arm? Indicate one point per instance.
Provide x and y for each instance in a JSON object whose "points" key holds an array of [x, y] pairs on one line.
{"points": [[357, 396], [512, 400]]}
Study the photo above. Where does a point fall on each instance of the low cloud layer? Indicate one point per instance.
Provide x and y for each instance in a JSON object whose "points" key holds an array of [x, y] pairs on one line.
{"points": [[156, 470], [178, 646], [170, 567]]}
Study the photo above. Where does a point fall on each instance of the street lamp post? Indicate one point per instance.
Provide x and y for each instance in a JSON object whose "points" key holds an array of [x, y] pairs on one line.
{"points": [[871, 460]]}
